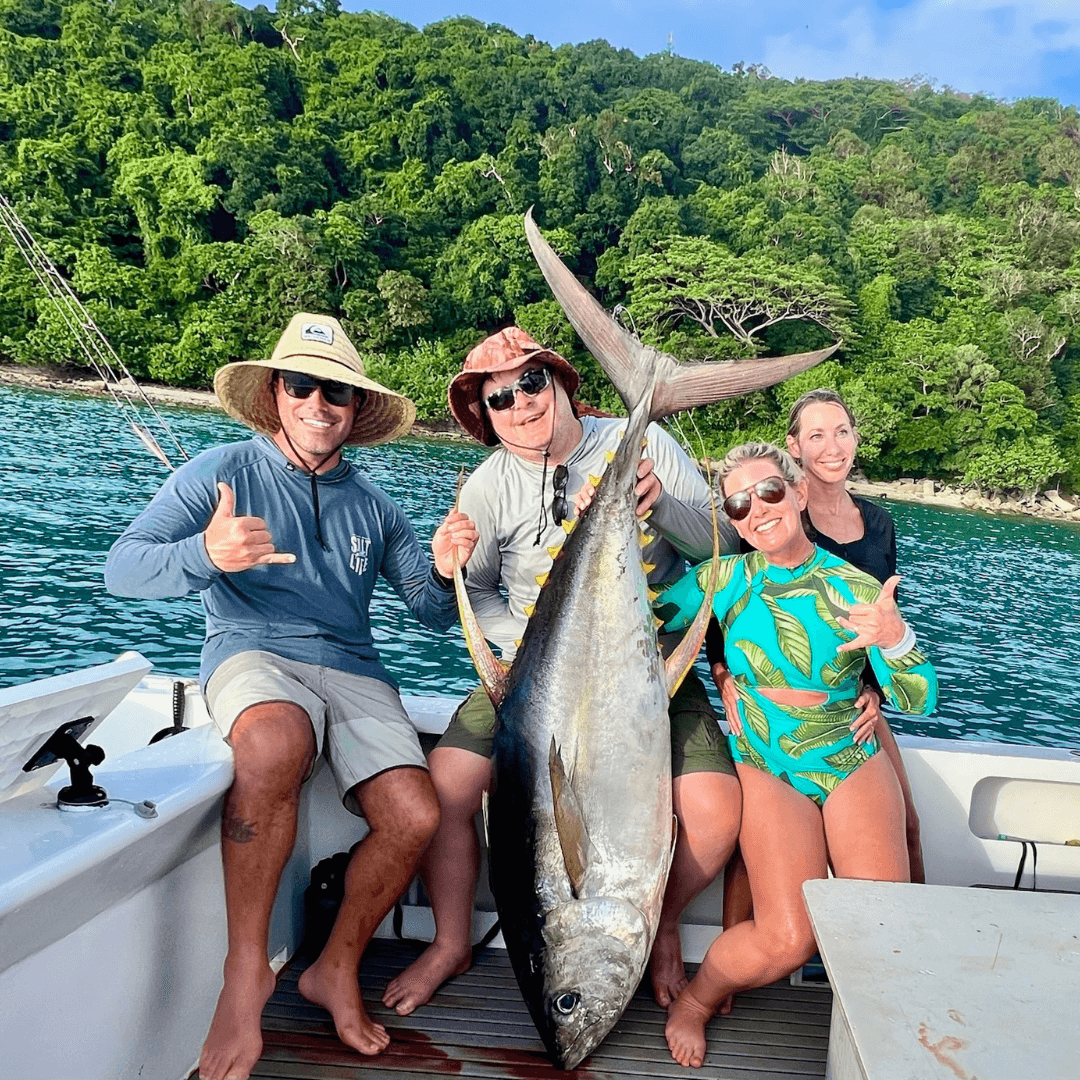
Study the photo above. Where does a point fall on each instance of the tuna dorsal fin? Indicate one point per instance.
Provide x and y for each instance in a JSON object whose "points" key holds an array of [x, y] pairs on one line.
{"points": [[492, 673], [682, 659], [634, 367], [570, 825]]}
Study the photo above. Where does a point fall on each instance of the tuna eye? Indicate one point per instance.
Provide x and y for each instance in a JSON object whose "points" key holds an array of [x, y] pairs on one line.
{"points": [[566, 1003]]}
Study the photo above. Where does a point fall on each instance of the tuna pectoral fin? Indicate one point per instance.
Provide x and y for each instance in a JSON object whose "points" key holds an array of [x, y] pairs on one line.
{"points": [[570, 825], [682, 659], [484, 810], [634, 367], [492, 673]]}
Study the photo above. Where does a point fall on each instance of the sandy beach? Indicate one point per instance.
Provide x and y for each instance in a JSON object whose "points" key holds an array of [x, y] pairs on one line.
{"points": [[1048, 504]]}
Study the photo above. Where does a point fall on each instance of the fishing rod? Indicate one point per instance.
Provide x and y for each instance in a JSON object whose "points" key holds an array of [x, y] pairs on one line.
{"points": [[120, 384]]}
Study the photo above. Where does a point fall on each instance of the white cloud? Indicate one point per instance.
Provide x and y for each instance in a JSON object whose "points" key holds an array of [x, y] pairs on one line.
{"points": [[1003, 49]]}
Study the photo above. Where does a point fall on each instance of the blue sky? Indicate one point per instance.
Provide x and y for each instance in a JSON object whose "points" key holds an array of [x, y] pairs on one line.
{"points": [[998, 47]]}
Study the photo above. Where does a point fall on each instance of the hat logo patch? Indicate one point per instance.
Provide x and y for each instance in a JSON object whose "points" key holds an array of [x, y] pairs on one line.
{"points": [[314, 331]]}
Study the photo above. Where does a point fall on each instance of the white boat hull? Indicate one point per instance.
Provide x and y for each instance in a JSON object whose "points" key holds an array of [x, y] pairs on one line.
{"points": [[112, 928]]}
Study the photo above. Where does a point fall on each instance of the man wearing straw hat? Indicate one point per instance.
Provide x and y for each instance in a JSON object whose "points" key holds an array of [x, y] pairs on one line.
{"points": [[284, 539], [515, 395]]}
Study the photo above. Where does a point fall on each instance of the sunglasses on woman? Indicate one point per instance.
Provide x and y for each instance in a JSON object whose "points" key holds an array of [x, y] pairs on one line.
{"points": [[771, 490], [534, 381], [298, 385]]}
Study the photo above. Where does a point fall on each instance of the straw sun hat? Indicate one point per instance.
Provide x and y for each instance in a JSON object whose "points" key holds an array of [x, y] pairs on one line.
{"points": [[313, 345], [503, 351]]}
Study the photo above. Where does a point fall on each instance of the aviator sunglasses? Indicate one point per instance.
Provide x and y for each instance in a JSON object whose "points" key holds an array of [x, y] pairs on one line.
{"points": [[771, 490], [333, 393], [534, 381]]}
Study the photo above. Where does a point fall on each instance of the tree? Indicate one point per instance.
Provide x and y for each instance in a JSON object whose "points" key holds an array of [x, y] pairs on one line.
{"points": [[694, 279]]}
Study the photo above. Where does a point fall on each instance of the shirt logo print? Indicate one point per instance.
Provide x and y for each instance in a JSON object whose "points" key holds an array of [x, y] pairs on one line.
{"points": [[358, 561]]}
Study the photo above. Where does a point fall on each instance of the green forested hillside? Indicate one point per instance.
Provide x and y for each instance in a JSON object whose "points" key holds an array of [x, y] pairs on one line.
{"points": [[201, 171]]}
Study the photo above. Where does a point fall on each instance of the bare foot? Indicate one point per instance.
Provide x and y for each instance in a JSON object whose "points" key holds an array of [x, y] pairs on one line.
{"points": [[666, 968], [685, 1030], [419, 981], [338, 992], [234, 1043]]}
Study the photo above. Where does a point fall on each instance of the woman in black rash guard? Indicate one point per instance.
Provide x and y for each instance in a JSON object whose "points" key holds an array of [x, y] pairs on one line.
{"points": [[822, 438]]}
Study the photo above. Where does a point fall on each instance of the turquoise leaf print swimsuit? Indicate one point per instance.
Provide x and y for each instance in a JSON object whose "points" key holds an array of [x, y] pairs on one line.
{"points": [[781, 631]]}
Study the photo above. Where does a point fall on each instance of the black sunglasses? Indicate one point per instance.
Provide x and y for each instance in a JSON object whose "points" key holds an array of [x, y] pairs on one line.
{"points": [[560, 507], [298, 385], [771, 490], [534, 381]]}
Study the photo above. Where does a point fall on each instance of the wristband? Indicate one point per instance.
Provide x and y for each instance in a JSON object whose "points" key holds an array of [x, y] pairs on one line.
{"points": [[447, 582], [902, 647]]}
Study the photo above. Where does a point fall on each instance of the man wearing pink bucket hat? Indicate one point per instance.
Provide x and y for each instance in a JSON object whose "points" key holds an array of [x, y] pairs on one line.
{"points": [[518, 396], [284, 539]]}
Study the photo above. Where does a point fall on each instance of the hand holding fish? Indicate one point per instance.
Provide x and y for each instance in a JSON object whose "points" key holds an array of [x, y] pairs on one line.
{"points": [[879, 623], [456, 531], [648, 490], [236, 543]]}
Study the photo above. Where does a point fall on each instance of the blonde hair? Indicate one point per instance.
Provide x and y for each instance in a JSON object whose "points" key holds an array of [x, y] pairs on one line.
{"points": [[759, 451], [814, 397]]}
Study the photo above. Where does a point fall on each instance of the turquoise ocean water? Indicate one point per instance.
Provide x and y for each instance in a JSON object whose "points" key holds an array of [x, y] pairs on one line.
{"points": [[994, 600]]}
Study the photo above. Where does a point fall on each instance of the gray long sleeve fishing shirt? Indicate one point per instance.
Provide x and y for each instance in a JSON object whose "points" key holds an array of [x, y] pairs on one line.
{"points": [[503, 498]]}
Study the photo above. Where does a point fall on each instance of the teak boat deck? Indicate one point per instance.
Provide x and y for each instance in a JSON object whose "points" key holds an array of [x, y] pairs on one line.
{"points": [[477, 1025]]}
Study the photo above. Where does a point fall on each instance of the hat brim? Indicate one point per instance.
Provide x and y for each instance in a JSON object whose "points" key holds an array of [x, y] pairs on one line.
{"points": [[245, 391]]}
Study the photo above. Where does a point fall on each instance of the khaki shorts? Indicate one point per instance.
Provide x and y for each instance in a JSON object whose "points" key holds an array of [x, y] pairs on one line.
{"points": [[358, 721], [697, 743]]}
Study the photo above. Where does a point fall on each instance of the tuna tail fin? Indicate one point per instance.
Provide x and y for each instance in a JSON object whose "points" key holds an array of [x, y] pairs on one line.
{"points": [[633, 367], [492, 673], [682, 659], [569, 823]]}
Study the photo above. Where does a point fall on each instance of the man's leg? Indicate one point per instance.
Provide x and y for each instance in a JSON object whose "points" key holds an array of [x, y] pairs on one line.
{"points": [[450, 869], [274, 746], [708, 805], [403, 812]]}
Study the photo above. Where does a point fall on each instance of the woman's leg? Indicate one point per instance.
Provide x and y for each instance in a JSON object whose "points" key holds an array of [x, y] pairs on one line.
{"points": [[783, 844], [865, 824], [887, 741]]}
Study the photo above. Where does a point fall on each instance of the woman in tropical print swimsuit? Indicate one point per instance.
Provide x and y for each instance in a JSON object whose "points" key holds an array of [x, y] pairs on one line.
{"points": [[799, 626]]}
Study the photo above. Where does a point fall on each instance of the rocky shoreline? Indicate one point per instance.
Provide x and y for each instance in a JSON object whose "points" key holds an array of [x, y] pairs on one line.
{"points": [[1048, 504]]}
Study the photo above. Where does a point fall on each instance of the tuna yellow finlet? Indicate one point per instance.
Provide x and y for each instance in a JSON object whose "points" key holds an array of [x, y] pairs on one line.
{"points": [[569, 526], [529, 609], [541, 579], [594, 480], [555, 550], [657, 622], [648, 567], [651, 593], [609, 456]]}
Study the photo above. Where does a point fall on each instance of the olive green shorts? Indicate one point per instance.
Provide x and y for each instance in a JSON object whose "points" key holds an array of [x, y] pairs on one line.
{"points": [[697, 743]]}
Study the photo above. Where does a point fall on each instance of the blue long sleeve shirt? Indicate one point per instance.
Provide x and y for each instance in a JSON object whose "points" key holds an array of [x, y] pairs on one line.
{"points": [[314, 610]]}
